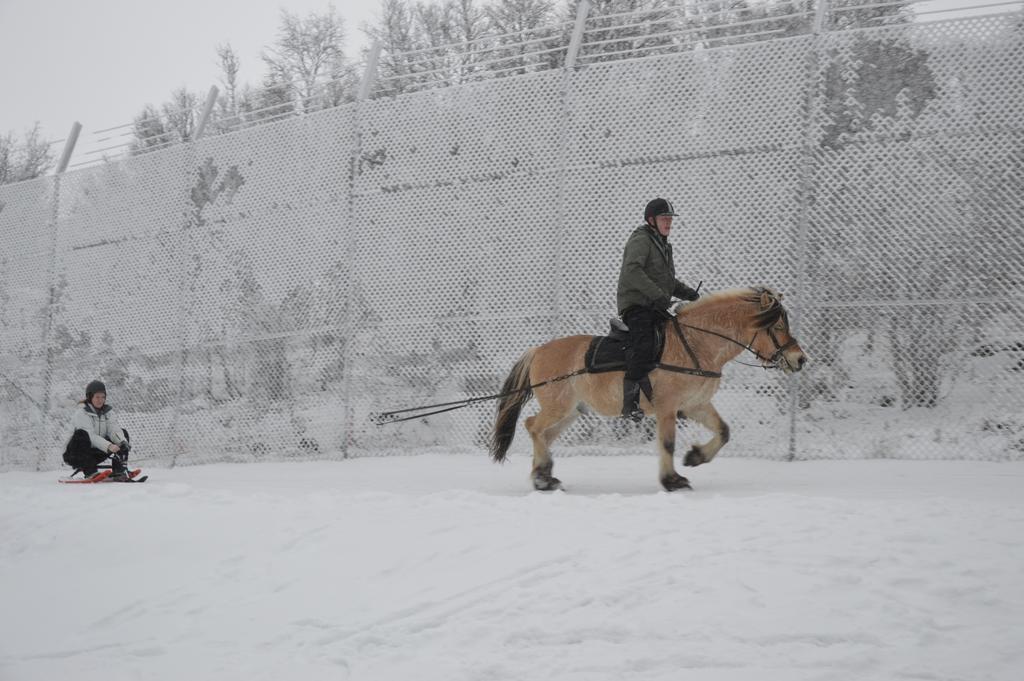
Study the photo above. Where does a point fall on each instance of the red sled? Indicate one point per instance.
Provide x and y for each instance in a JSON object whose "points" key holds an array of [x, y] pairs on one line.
{"points": [[99, 476], [104, 476]]}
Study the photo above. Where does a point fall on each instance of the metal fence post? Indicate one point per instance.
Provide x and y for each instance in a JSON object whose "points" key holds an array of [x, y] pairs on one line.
{"points": [[62, 166], [370, 72], [577, 34], [69, 148], [803, 225], [563, 161], [204, 116], [821, 16], [190, 156], [365, 87]]}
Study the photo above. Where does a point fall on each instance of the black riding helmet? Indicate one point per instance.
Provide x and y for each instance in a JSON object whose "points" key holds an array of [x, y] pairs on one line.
{"points": [[656, 207]]}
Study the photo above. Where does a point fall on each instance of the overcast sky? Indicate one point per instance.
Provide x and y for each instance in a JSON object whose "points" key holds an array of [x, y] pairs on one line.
{"points": [[100, 61]]}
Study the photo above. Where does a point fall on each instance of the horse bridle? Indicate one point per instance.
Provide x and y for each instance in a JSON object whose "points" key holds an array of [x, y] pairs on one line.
{"points": [[780, 348], [774, 361]]}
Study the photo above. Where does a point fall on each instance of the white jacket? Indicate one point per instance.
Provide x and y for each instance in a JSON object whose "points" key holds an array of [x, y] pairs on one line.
{"points": [[102, 426]]}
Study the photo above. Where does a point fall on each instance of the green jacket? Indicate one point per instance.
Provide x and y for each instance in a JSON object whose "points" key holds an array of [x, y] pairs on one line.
{"points": [[648, 274]]}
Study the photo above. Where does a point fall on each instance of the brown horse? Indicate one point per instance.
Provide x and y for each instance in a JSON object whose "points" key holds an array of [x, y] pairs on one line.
{"points": [[704, 336]]}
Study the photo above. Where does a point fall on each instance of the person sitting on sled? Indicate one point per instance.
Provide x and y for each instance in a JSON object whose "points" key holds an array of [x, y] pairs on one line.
{"points": [[96, 435]]}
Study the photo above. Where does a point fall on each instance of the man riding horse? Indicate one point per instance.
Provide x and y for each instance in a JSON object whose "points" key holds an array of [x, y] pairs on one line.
{"points": [[647, 282]]}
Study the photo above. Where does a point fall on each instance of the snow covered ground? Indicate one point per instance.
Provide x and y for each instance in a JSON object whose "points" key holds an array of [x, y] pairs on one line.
{"points": [[449, 567]]}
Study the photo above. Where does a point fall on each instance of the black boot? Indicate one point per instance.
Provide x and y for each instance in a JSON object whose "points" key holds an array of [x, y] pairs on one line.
{"points": [[631, 400], [119, 465]]}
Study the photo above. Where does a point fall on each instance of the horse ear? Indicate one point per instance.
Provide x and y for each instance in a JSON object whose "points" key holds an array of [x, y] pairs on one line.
{"points": [[766, 300]]}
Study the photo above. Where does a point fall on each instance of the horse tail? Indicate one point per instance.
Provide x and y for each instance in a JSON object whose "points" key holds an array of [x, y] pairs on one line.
{"points": [[515, 393]]}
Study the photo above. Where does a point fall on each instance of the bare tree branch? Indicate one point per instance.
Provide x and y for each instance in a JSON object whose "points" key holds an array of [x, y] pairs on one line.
{"points": [[24, 159]]}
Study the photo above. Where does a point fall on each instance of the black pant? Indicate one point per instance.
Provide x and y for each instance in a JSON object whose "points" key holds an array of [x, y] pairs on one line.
{"points": [[640, 352], [81, 455]]}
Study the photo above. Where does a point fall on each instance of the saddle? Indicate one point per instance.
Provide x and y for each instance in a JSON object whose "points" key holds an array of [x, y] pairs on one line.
{"points": [[608, 353]]}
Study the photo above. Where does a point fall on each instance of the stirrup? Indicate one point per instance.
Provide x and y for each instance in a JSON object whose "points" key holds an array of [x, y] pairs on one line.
{"points": [[617, 323]]}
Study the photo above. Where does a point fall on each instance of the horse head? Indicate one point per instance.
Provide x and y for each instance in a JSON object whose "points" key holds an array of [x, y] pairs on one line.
{"points": [[773, 343]]}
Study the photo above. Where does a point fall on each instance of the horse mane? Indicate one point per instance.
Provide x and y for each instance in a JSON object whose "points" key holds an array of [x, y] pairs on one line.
{"points": [[752, 295]]}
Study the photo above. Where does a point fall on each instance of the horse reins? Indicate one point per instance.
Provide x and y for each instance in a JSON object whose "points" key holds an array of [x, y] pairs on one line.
{"points": [[387, 417], [772, 361], [697, 371]]}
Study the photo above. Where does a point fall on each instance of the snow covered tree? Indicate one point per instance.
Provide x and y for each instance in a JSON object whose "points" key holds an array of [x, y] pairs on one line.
{"points": [[230, 65], [308, 51], [450, 33], [227, 116], [149, 130], [25, 158], [274, 99], [395, 35], [514, 21], [181, 114], [846, 14], [434, 26], [515, 16], [624, 37], [174, 121], [449, 41], [470, 20]]}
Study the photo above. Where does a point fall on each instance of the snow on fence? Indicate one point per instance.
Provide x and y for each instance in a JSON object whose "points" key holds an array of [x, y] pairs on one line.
{"points": [[259, 294]]}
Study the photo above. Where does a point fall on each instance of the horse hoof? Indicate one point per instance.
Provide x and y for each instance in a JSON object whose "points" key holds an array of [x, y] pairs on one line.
{"points": [[675, 481], [547, 484], [693, 458]]}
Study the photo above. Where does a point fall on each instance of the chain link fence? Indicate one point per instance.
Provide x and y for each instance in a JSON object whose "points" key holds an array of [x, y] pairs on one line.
{"points": [[261, 294]]}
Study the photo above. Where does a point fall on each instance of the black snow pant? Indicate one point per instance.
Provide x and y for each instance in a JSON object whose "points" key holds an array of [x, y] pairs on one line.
{"points": [[81, 455], [642, 323], [640, 358]]}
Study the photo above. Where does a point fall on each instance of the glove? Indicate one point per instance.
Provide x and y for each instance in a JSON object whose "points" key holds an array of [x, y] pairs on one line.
{"points": [[667, 307], [690, 294]]}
